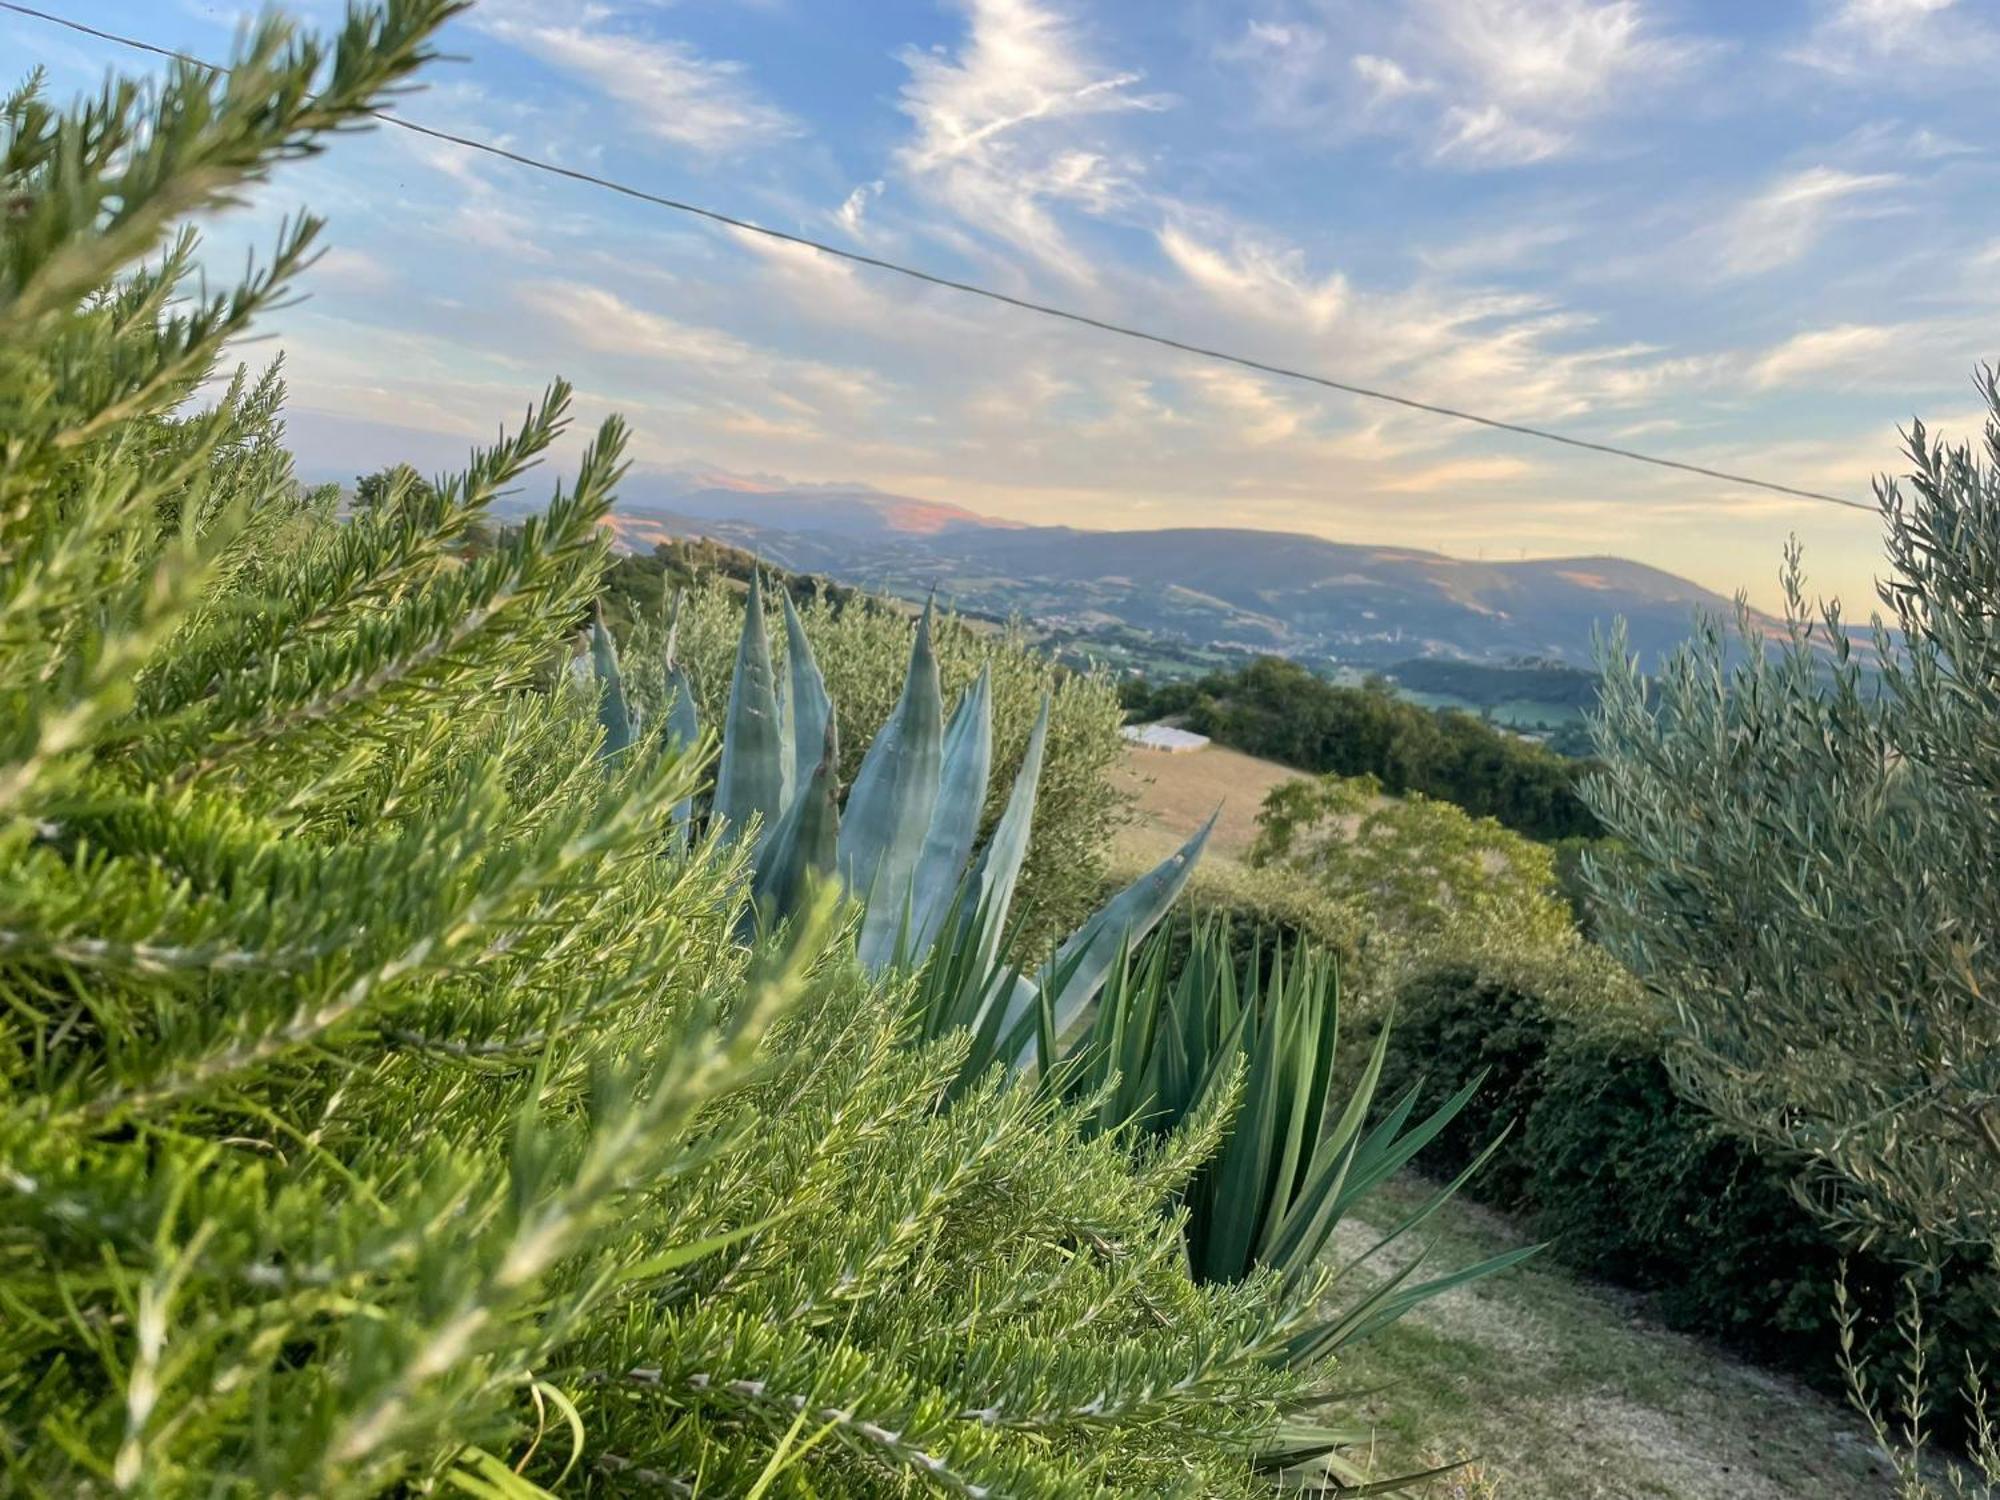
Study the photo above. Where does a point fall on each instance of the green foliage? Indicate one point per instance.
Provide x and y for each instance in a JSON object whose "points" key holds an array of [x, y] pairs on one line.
{"points": [[1630, 1181], [1167, 1044], [901, 845], [864, 654], [1808, 875], [386, 1103], [1425, 875], [1279, 709]]}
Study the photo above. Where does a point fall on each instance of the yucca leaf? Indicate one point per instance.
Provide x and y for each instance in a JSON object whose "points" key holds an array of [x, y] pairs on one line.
{"points": [[749, 782], [968, 758], [612, 711], [809, 705], [889, 810]]}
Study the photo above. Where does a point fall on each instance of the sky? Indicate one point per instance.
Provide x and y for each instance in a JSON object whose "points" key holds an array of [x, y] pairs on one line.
{"points": [[1759, 235]]}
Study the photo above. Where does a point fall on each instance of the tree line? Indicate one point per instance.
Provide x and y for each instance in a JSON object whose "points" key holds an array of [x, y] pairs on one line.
{"points": [[1282, 711]]}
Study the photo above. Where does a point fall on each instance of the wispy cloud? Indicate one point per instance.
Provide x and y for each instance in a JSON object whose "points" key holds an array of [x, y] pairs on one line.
{"points": [[1822, 353], [1476, 83], [1871, 38], [674, 94], [1785, 220], [996, 137]]}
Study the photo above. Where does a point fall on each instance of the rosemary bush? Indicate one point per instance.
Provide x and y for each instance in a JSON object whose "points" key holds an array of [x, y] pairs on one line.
{"points": [[386, 1104]]}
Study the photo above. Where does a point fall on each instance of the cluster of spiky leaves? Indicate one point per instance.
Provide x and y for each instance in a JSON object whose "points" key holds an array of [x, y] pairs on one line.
{"points": [[385, 1101], [862, 648], [901, 843], [1165, 1044]]}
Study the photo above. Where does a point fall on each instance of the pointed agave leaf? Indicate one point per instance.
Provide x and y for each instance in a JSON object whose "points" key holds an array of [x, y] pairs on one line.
{"points": [[1084, 960], [810, 707], [683, 715], [889, 810], [612, 710], [801, 849], [749, 783], [968, 758], [989, 889]]}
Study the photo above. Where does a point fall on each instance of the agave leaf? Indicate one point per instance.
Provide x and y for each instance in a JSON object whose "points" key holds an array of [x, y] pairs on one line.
{"points": [[801, 849], [889, 810], [810, 707], [968, 758], [683, 716], [990, 887], [612, 710], [749, 784], [1087, 956]]}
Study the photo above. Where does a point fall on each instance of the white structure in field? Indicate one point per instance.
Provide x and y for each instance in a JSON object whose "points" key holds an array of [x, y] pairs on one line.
{"points": [[1163, 737]]}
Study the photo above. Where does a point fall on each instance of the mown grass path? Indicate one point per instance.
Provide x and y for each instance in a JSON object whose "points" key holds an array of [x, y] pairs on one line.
{"points": [[1561, 1390]]}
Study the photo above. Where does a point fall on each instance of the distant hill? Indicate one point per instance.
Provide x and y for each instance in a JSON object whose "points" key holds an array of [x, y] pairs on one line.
{"points": [[1222, 590]]}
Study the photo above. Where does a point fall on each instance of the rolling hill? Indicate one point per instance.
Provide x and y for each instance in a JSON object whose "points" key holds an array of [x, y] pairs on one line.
{"points": [[1223, 590]]}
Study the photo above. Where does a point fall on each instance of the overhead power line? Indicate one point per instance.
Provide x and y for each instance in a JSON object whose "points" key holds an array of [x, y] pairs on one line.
{"points": [[973, 289]]}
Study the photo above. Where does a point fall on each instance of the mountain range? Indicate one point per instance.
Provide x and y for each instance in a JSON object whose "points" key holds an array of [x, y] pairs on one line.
{"points": [[1214, 589]]}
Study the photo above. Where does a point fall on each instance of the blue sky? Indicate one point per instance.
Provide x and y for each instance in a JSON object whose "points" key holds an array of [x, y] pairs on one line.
{"points": [[1755, 234]]}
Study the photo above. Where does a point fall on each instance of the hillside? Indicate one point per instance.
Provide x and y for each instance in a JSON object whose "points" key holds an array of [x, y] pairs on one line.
{"points": [[1207, 589]]}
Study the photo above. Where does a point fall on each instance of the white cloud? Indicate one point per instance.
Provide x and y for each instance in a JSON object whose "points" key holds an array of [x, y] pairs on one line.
{"points": [[996, 127], [1786, 220], [701, 104], [1478, 83], [1490, 137], [1457, 474], [357, 270], [1811, 357], [1387, 78], [854, 208], [1262, 281], [1857, 38], [706, 360]]}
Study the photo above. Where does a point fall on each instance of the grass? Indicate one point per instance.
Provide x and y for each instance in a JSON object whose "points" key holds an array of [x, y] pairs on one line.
{"points": [[1561, 1390], [1173, 793]]}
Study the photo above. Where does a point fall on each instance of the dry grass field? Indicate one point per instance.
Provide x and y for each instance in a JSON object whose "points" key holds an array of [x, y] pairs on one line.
{"points": [[1174, 793]]}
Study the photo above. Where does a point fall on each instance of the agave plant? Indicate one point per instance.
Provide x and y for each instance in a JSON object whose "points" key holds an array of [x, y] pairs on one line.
{"points": [[902, 842]]}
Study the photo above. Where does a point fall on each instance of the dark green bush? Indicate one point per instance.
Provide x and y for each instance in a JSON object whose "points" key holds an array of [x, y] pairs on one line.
{"points": [[1632, 1183], [1280, 709]]}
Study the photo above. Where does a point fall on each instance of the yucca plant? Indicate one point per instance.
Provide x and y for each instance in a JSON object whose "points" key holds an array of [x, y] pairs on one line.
{"points": [[902, 843]]}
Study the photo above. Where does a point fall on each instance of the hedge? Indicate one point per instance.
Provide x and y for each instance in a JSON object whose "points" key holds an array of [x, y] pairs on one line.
{"points": [[1631, 1183]]}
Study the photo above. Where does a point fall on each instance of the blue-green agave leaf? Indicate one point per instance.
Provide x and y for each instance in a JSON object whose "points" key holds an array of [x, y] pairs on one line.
{"points": [[749, 783], [683, 715], [809, 705], [968, 759], [612, 711], [889, 810], [803, 845], [989, 892], [1079, 967]]}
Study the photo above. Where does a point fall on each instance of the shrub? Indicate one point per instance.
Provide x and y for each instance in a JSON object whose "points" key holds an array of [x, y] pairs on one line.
{"points": [[864, 654], [1280, 709], [1425, 876], [385, 1103], [1809, 852], [1630, 1181]]}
